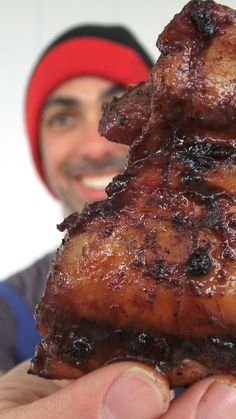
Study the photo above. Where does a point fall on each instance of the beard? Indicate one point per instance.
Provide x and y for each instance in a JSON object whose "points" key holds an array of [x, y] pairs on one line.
{"points": [[109, 163]]}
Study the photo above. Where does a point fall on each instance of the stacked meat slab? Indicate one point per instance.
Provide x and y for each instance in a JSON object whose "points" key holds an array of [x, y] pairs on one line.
{"points": [[150, 273]]}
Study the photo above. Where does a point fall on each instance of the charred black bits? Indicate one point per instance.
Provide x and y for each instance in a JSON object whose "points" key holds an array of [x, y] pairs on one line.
{"points": [[121, 119], [81, 349], [192, 179], [201, 155], [142, 342], [121, 335], [214, 219], [204, 23], [70, 222], [221, 151], [97, 208], [180, 220], [144, 339], [196, 156], [157, 270], [119, 183], [199, 263], [229, 253]]}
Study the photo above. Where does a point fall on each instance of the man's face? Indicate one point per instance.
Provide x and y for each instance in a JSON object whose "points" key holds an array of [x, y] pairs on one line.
{"points": [[77, 161]]}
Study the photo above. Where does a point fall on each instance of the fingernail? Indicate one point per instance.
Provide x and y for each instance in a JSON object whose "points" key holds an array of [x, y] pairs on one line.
{"points": [[218, 402], [136, 393]]}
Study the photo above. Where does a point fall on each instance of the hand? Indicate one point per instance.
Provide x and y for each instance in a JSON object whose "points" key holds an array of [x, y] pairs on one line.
{"points": [[122, 390]]}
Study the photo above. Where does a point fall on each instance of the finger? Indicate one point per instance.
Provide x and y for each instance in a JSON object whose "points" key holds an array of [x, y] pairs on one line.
{"points": [[211, 398], [17, 387], [121, 390]]}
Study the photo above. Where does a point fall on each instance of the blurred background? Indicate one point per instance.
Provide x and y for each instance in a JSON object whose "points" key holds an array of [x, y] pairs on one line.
{"points": [[28, 214]]}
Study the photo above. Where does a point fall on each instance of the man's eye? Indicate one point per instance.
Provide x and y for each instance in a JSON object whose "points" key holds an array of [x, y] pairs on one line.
{"points": [[61, 120]]}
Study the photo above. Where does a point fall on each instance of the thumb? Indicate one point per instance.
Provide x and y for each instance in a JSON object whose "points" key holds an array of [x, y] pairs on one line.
{"points": [[120, 390]]}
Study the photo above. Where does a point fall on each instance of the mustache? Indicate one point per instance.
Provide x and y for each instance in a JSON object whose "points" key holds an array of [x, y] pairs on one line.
{"points": [[89, 165]]}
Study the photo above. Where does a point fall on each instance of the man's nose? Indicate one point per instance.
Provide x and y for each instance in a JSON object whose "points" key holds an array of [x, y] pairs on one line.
{"points": [[92, 144]]}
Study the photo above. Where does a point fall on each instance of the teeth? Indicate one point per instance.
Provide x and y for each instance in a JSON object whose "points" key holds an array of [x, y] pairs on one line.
{"points": [[98, 183]]}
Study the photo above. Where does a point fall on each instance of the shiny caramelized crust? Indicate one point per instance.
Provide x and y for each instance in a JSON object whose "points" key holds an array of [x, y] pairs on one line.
{"points": [[150, 273], [124, 118]]}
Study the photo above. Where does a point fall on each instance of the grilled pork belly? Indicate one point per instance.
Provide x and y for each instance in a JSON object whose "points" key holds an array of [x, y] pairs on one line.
{"points": [[150, 273]]}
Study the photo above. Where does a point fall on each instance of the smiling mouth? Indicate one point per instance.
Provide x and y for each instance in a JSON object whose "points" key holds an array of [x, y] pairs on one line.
{"points": [[92, 186], [98, 183]]}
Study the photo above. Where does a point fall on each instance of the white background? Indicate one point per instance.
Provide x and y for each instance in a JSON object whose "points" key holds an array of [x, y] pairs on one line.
{"points": [[28, 214]]}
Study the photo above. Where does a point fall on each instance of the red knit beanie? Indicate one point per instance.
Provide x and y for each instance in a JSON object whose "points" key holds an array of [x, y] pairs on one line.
{"points": [[111, 52]]}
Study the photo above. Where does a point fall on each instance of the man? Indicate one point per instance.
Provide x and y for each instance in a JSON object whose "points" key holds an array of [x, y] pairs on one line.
{"points": [[78, 72]]}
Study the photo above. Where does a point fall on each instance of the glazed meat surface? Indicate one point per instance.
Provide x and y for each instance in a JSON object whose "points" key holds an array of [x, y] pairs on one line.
{"points": [[150, 273]]}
